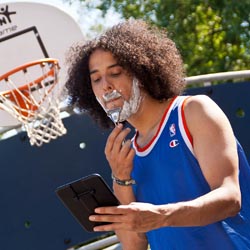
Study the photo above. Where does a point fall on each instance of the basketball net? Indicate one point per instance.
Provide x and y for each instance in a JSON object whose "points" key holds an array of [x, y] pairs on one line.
{"points": [[35, 104]]}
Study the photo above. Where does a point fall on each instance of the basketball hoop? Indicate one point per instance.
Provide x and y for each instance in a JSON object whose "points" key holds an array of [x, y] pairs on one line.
{"points": [[34, 104]]}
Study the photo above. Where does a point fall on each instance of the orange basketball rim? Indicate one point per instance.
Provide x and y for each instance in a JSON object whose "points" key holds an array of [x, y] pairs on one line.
{"points": [[21, 97]]}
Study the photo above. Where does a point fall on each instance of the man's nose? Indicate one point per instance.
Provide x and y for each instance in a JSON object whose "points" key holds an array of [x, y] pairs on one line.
{"points": [[106, 85]]}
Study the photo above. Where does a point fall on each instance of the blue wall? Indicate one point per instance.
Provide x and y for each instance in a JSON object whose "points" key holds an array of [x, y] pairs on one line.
{"points": [[31, 216]]}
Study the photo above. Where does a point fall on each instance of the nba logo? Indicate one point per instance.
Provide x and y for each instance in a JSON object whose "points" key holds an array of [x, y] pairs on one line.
{"points": [[172, 131]]}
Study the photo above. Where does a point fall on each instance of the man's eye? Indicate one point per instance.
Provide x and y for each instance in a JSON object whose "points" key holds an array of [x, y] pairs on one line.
{"points": [[95, 80], [115, 74]]}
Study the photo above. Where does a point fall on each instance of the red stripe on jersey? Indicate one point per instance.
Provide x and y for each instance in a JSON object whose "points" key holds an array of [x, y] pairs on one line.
{"points": [[141, 149]]}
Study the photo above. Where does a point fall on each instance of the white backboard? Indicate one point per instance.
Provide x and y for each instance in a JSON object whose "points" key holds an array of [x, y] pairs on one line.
{"points": [[30, 31]]}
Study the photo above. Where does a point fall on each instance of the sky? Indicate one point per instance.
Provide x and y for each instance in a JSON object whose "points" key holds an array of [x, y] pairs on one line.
{"points": [[82, 15]]}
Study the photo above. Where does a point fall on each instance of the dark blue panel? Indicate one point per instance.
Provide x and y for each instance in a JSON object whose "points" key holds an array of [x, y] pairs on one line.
{"points": [[32, 217]]}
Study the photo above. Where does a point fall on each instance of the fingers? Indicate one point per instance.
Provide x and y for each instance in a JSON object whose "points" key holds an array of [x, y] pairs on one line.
{"points": [[107, 218], [108, 227], [112, 137], [115, 220], [119, 152], [116, 139], [131, 153], [137, 217], [108, 214], [121, 209], [111, 215], [127, 150]]}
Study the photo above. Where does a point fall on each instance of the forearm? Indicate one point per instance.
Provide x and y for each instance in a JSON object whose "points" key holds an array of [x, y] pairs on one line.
{"points": [[124, 194], [129, 240], [214, 206], [132, 241]]}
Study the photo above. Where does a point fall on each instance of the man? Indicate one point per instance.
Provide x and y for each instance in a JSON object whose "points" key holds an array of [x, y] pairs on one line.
{"points": [[183, 180]]}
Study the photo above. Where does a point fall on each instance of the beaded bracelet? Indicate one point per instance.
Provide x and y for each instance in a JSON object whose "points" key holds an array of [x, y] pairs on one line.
{"points": [[123, 182]]}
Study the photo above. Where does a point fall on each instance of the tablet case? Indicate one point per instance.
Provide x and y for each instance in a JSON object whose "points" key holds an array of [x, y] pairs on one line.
{"points": [[82, 196]]}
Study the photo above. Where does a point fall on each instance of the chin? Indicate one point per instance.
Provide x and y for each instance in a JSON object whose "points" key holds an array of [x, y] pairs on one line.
{"points": [[114, 105]]}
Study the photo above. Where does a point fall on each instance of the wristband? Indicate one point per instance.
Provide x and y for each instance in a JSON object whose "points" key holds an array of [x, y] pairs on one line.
{"points": [[123, 182]]}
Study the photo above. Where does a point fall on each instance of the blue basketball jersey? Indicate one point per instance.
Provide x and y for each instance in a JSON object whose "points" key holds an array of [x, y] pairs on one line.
{"points": [[166, 171]]}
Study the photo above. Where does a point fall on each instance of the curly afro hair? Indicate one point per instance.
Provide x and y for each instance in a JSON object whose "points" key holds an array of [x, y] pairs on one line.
{"points": [[143, 50]]}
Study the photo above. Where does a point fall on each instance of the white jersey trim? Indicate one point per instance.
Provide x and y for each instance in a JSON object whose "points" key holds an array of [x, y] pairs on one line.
{"points": [[181, 126], [151, 146]]}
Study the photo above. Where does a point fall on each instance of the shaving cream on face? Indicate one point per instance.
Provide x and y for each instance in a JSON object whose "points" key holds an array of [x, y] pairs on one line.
{"points": [[129, 107], [108, 97], [111, 96]]}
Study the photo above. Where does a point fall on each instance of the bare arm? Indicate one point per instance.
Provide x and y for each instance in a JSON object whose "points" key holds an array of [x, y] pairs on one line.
{"points": [[129, 240], [215, 149], [120, 157]]}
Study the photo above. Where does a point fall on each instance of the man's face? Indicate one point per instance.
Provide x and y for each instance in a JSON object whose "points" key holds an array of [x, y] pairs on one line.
{"points": [[113, 87]]}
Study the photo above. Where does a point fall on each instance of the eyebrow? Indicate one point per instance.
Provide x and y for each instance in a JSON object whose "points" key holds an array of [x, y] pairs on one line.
{"points": [[109, 67]]}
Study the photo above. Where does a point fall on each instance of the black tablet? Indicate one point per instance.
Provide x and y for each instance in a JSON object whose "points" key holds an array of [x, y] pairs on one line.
{"points": [[82, 196]]}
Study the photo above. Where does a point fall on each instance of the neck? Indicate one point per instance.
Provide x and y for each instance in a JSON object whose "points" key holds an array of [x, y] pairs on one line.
{"points": [[148, 118]]}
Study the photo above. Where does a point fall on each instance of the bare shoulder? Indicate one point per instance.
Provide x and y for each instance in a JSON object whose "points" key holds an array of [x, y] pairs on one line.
{"points": [[204, 116], [202, 108], [213, 139], [197, 102]]}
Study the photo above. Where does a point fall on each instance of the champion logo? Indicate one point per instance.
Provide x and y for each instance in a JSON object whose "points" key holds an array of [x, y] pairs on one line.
{"points": [[174, 143]]}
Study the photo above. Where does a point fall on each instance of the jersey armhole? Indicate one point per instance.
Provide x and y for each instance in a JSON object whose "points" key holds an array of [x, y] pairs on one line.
{"points": [[184, 122]]}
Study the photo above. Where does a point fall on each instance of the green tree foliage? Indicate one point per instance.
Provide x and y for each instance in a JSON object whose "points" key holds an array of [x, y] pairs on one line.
{"points": [[212, 35]]}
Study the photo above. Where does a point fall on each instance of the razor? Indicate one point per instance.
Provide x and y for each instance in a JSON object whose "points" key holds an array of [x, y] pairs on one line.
{"points": [[114, 115]]}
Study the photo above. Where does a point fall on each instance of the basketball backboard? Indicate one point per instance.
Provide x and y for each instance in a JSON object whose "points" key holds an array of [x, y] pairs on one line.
{"points": [[30, 31]]}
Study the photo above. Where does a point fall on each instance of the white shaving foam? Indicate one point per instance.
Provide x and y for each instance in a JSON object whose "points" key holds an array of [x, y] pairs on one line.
{"points": [[129, 107]]}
